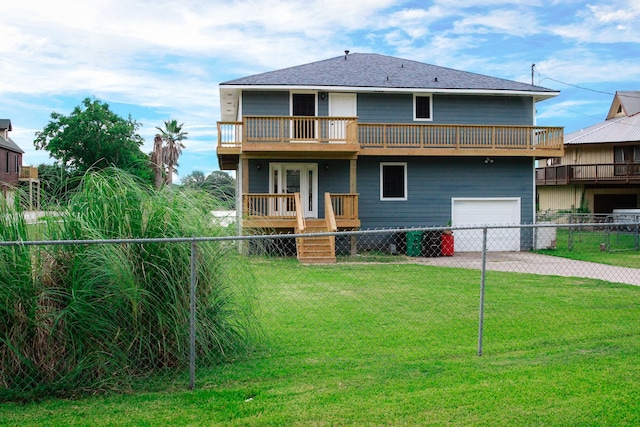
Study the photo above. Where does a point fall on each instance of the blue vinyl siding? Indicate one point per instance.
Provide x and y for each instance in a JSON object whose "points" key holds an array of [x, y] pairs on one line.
{"points": [[263, 103], [398, 108], [485, 110], [433, 181], [385, 108], [447, 109], [323, 104]]}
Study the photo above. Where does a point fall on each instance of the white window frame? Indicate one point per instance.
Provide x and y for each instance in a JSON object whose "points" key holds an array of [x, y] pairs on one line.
{"points": [[393, 199], [423, 95]]}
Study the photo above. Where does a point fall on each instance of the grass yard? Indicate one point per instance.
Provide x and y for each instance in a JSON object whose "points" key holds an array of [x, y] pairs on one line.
{"points": [[586, 246], [396, 344]]}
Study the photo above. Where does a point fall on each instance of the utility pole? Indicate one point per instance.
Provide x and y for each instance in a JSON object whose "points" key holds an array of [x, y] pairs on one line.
{"points": [[533, 66]]}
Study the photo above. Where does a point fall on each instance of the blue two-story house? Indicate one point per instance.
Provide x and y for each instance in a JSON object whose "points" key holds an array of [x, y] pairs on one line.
{"points": [[371, 141]]}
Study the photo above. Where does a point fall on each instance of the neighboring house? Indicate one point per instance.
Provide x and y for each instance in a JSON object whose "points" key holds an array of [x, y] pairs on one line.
{"points": [[12, 173], [365, 141], [600, 170]]}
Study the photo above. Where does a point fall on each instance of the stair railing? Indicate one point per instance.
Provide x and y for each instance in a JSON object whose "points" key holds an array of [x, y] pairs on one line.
{"points": [[299, 214], [330, 219]]}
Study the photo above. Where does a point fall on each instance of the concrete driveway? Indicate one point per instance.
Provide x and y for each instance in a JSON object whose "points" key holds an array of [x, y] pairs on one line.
{"points": [[527, 262]]}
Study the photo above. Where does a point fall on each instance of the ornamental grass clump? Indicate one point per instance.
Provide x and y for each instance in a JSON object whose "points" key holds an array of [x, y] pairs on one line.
{"points": [[97, 316]]}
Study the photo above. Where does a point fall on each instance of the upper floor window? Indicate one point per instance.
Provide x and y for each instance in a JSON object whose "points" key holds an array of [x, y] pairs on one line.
{"points": [[627, 154], [393, 181], [422, 107]]}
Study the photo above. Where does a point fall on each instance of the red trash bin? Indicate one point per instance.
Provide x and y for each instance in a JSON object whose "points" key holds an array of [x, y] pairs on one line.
{"points": [[446, 246]]}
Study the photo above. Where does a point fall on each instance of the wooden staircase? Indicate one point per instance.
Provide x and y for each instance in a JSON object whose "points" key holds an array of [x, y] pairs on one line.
{"points": [[316, 249]]}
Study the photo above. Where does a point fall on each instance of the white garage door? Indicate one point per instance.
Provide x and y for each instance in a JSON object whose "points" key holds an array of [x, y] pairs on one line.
{"points": [[486, 211]]}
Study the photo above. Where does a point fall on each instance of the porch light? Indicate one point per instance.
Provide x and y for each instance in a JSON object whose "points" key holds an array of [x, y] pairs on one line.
{"points": [[488, 160], [326, 166], [259, 166]]}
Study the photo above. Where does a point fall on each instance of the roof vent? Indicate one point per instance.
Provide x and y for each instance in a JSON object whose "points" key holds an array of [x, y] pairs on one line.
{"points": [[346, 52], [435, 79]]}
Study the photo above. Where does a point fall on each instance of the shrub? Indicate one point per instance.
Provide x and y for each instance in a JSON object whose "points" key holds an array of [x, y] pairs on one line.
{"points": [[95, 316]]}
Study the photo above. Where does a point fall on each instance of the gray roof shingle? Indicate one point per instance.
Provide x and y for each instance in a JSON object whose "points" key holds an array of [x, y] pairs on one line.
{"points": [[5, 124], [381, 71]]}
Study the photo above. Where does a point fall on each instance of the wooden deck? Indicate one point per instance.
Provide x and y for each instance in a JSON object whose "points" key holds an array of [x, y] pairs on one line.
{"points": [[279, 211], [345, 137], [284, 213]]}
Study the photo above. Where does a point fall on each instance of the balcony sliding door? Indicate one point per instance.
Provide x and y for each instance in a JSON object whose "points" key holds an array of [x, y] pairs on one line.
{"points": [[303, 105]]}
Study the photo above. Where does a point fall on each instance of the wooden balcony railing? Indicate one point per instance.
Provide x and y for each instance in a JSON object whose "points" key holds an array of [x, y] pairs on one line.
{"points": [[345, 206], [459, 136], [274, 207], [28, 172], [256, 133], [619, 173], [288, 129], [269, 206]]}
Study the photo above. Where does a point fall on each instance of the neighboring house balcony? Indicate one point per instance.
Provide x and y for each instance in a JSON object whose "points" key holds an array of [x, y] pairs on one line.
{"points": [[28, 172], [29, 175], [601, 173], [345, 137]]}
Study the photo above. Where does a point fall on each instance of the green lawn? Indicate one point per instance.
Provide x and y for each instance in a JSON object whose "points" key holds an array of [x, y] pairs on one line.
{"points": [[396, 344], [620, 247]]}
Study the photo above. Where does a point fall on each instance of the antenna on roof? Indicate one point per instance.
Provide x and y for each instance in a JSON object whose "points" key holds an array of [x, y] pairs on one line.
{"points": [[346, 52]]}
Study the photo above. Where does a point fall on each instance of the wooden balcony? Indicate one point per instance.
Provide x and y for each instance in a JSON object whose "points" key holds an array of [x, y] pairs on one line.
{"points": [[28, 173], [281, 211], [460, 140], [345, 137], [602, 173]]}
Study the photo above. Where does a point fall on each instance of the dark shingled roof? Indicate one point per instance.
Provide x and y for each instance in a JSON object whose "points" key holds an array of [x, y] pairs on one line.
{"points": [[8, 143], [381, 71]]}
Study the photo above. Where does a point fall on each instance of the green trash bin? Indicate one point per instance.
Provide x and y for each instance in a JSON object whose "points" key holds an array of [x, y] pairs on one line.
{"points": [[414, 243]]}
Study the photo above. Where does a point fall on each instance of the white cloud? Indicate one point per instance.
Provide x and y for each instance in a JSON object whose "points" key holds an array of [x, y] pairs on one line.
{"points": [[510, 22], [168, 56], [615, 22]]}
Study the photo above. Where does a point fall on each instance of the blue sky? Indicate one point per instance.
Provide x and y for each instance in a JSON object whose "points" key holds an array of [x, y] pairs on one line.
{"points": [[164, 59]]}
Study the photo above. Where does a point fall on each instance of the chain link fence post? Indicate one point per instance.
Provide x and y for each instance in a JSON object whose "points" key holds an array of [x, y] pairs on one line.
{"points": [[192, 318], [482, 282]]}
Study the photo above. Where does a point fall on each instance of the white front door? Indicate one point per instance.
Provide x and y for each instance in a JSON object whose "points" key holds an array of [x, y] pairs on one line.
{"points": [[290, 178], [341, 105]]}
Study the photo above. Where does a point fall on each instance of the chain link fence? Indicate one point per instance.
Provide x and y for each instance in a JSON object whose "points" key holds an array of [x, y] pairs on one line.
{"points": [[418, 293]]}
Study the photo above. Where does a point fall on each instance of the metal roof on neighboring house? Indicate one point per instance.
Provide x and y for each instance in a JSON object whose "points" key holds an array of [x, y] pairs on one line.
{"points": [[369, 70], [617, 128]]}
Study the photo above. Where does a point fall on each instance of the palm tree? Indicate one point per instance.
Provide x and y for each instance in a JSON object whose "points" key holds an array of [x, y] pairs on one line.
{"points": [[172, 135], [156, 161]]}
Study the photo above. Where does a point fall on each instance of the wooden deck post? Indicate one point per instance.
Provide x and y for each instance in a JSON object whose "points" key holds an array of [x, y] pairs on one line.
{"points": [[353, 188]]}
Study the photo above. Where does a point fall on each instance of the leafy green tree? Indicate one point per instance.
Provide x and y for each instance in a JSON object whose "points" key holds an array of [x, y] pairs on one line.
{"points": [[195, 179], [93, 136], [219, 184], [56, 183], [172, 135], [222, 186]]}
